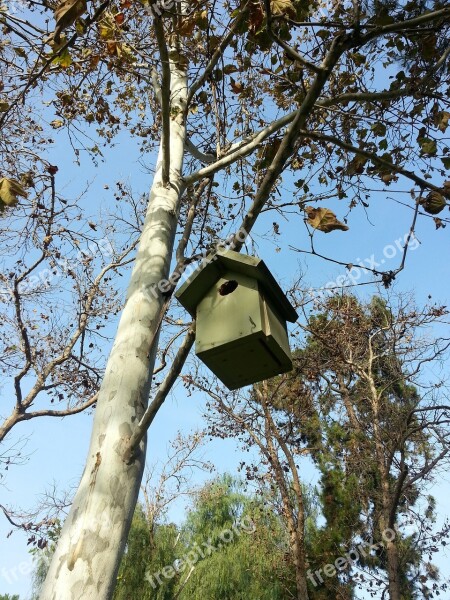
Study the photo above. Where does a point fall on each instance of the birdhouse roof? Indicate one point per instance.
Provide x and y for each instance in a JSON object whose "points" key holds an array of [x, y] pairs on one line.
{"points": [[194, 289]]}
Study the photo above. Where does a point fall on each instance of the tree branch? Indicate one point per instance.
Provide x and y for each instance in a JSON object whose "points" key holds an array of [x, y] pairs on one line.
{"points": [[290, 52], [164, 99], [61, 413], [400, 26], [197, 84], [338, 46], [161, 394], [241, 149], [422, 183], [198, 154]]}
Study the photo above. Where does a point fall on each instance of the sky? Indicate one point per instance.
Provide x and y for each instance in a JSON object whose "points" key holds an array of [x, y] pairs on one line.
{"points": [[57, 449]]}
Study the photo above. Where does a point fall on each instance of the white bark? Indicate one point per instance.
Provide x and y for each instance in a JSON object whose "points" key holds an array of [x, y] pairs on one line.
{"points": [[91, 544]]}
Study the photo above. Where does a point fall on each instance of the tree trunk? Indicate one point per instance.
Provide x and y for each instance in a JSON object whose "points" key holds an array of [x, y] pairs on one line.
{"points": [[295, 523], [393, 570], [93, 538], [391, 546]]}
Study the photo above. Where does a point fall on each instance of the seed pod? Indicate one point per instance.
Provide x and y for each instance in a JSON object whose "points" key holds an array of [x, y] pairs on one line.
{"points": [[434, 203]]}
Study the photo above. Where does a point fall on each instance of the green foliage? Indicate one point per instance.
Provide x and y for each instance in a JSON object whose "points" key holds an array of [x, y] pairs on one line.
{"points": [[237, 549], [356, 408], [147, 553], [252, 564]]}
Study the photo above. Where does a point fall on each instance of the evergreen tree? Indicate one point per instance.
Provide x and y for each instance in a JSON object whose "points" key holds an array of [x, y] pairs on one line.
{"points": [[374, 438], [249, 556], [147, 552]]}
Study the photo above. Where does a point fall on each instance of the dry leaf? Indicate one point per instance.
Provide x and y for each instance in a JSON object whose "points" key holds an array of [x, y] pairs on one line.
{"points": [[236, 86], [119, 18], [434, 203], [438, 222], [324, 219], [67, 13], [187, 25], [282, 7], [443, 120], [10, 189]]}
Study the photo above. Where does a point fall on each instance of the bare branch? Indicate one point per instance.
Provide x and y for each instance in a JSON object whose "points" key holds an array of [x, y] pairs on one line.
{"points": [[164, 99], [197, 84], [161, 394]]}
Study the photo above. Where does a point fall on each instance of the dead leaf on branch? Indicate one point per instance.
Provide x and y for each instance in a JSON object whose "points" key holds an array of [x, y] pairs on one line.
{"points": [[442, 119], [56, 123], [282, 7], [434, 203], [324, 219], [67, 12], [10, 189], [187, 25], [255, 17], [236, 86], [446, 189]]}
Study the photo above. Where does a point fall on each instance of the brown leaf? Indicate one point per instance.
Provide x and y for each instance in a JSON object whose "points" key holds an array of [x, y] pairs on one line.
{"points": [[255, 17], [67, 13], [443, 120], [282, 7], [119, 18], [52, 169], [324, 219], [434, 203], [237, 86], [187, 25], [438, 222], [10, 189]]}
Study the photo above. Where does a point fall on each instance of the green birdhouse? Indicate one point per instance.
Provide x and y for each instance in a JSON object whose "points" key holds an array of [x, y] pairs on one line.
{"points": [[241, 315]]}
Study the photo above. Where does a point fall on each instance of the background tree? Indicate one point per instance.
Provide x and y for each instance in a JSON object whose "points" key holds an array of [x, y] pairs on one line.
{"points": [[152, 539], [261, 421], [150, 548], [249, 556], [383, 428]]}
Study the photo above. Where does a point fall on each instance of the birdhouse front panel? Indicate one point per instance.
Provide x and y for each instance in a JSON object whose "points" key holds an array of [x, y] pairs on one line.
{"points": [[239, 336], [230, 311]]}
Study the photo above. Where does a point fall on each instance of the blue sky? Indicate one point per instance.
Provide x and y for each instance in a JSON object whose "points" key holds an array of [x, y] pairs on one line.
{"points": [[57, 448]]}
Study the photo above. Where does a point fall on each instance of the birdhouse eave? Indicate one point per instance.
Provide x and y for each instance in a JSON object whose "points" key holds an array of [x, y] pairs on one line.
{"points": [[194, 289]]}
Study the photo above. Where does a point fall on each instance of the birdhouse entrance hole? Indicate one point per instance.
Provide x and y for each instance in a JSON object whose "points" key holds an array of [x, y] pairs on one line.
{"points": [[228, 287]]}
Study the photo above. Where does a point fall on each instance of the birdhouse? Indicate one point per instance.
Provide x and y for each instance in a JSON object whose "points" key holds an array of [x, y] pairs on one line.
{"points": [[241, 315]]}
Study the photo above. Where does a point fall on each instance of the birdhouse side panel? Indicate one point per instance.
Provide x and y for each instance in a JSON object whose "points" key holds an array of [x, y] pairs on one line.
{"points": [[275, 326], [231, 310]]}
